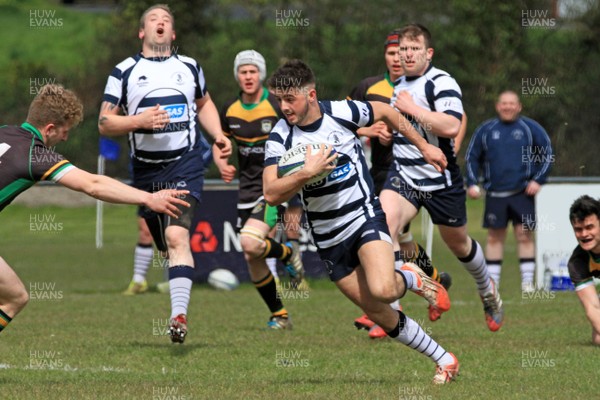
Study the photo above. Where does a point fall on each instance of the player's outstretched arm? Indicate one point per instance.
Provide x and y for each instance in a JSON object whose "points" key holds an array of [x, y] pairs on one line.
{"points": [[591, 304], [379, 130], [107, 189], [438, 123], [432, 154]]}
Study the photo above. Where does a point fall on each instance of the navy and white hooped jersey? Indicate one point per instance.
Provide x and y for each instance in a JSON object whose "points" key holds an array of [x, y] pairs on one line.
{"points": [[435, 90], [175, 82], [340, 203]]}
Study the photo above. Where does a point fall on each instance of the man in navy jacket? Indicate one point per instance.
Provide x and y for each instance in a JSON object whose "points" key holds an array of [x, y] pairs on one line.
{"points": [[514, 155]]}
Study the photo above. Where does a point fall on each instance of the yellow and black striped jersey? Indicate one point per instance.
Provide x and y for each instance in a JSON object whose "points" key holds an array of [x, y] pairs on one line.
{"points": [[249, 126], [376, 88]]}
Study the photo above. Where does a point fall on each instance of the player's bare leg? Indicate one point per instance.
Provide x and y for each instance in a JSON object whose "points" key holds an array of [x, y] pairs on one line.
{"points": [[494, 252], [291, 224], [374, 298], [13, 295], [257, 247], [526, 251]]}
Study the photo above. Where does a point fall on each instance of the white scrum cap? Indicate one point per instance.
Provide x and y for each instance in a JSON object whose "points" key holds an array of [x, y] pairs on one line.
{"points": [[250, 57]]}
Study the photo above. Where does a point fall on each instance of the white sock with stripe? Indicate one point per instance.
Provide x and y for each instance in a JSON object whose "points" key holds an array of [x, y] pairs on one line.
{"points": [[475, 264], [411, 334], [527, 266], [180, 287], [142, 258]]}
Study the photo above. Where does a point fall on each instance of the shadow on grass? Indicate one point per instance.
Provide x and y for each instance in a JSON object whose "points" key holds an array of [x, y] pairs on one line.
{"points": [[327, 381], [175, 348]]}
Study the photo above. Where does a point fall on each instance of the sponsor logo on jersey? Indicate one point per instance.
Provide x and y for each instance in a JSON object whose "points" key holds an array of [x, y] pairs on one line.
{"points": [[339, 172], [175, 110], [315, 185]]}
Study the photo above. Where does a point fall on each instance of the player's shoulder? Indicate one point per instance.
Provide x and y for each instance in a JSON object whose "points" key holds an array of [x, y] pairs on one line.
{"points": [[127, 63], [440, 77], [436, 73], [187, 60], [371, 81], [229, 103], [338, 108], [579, 257], [282, 127], [271, 101], [271, 98]]}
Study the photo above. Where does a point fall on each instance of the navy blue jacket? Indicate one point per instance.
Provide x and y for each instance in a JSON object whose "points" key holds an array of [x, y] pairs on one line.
{"points": [[509, 155]]}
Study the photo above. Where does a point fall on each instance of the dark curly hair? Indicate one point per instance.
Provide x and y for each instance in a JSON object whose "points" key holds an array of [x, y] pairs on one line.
{"points": [[583, 207], [293, 74]]}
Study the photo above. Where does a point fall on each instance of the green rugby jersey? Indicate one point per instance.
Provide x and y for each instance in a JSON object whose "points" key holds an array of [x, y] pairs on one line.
{"points": [[25, 160]]}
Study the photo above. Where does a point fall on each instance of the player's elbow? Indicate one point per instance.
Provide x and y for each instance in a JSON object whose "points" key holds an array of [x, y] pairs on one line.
{"points": [[102, 122], [91, 187], [272, 199], [451, 129], [102, 130]]}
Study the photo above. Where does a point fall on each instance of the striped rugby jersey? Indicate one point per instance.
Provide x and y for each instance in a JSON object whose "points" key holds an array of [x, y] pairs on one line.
{"points": [[25, 160], [174, 82], [249, 126], [339, 204], [435, 90]]}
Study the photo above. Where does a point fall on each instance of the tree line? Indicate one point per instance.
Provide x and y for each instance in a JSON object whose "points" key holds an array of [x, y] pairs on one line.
{"points": [[547, 51]]}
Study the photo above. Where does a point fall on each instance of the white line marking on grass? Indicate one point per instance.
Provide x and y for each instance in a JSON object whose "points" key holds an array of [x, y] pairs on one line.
{"points": [[66, 368]]}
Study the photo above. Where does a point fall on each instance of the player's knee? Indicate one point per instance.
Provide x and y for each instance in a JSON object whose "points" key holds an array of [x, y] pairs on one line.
{"points": [[252, 241], [178, 241], [145, 237], [20, 300], [385, 292], [251, 247], [460, 248], [494, 240]]}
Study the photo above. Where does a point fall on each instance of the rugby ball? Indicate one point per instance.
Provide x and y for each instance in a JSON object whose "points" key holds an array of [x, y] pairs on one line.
{"points": [[292, 161], [223, 279]]}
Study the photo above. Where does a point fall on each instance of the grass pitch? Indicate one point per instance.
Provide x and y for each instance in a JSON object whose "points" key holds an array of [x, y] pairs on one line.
{"points": [[79, 338]]}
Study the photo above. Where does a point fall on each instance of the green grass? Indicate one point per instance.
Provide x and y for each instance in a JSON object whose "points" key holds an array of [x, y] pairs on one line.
{"points": [[106, 346]]}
